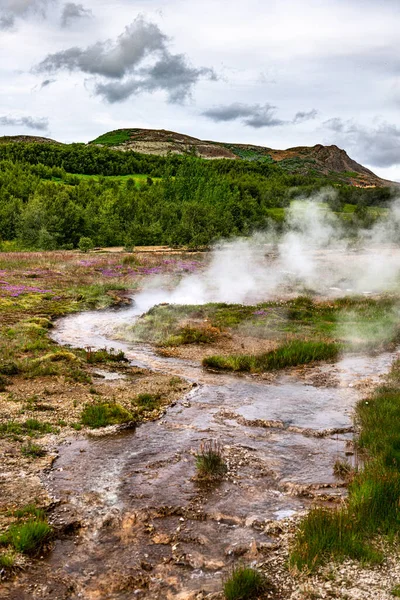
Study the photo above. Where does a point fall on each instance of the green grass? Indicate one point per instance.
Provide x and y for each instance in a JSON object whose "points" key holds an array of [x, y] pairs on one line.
{"points": [[104, 356], [396, 591], [28, 537], [114, 138], [74, 178], [373, 505], [209, 460], [103, 414], [30, 510], [359, 323], [192, 335], [31, 450], [31, 427], [290, 354], [147, 401], [329, 534], [7, 561], [244, 583]]}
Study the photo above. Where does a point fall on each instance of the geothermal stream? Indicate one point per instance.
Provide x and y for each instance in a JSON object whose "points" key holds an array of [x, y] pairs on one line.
{"points": [[149, 530]]}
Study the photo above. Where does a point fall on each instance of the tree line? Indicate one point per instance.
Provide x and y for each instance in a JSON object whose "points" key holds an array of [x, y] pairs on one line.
{"points": [[44, 204]]}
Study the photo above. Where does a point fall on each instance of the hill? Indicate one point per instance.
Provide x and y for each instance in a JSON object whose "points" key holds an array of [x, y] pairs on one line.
{"points": [[26, 139], [329, 161]]}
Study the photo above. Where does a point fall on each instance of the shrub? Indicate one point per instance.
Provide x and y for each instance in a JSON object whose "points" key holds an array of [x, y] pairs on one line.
{"points": [[105, 413], [244, 583], [209, 460], [85, 244]]}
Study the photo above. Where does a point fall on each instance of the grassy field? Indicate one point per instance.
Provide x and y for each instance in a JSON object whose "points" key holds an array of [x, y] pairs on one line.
{"points": [[114, 138], [47, 390], [359, 323], [138, 178]]}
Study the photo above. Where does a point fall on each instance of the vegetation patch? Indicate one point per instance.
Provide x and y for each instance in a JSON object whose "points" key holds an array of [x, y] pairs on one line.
{"points": [[31, 427], [103, 414], [30, 533], [290, 354], [31, 450], [104, 356], [245, 583], [373, 504], [29, 537], [147, 402], [7, 561], [193, 335], [210, 463], [113, 138]]}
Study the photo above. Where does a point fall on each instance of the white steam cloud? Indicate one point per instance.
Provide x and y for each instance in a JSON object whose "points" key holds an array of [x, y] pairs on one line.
{"points": [[313, 256]]}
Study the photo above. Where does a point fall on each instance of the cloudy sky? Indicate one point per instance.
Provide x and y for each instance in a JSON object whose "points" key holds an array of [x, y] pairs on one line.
{"points": [[275, 73]]}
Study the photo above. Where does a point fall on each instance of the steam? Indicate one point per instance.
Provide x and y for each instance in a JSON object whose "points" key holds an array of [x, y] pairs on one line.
{"points": [[312, 256]]}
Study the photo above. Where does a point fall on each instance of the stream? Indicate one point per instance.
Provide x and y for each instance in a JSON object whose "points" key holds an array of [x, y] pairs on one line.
{"points": [[147, 529]]}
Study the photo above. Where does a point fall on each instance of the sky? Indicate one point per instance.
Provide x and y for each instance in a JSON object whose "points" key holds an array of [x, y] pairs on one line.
{"points": [[274, 73]]}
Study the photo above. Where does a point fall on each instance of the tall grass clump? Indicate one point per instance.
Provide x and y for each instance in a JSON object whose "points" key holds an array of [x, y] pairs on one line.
{"points": [[103, 414], [290, 354], [244, 583], [29, 537], [30, 533], [373, 504], [209, 460]]}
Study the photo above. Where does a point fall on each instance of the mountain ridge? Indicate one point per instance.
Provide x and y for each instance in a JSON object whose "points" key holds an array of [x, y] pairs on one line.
{"points": [[328, 161]]}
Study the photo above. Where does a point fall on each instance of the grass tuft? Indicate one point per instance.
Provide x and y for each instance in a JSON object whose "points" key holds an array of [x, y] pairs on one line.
{"points": [[209, 460], [7, 561], [28, 537], [244, 583], [104, 356], [147, 401], [31, 450], [104, 414]]}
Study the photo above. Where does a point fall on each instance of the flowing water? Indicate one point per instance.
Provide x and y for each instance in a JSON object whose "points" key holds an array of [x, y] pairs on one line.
{"points": [[147, 528]]}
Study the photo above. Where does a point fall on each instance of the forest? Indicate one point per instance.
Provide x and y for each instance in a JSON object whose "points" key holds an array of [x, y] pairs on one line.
{"points": [[52, 195]]}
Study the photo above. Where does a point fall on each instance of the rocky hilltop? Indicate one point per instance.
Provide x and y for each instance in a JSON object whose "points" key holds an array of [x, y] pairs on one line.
{"points": [[329, 161]]}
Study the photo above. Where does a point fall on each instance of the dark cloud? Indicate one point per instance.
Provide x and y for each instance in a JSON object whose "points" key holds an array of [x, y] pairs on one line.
{"points": [[110, 59], [12, 9], [335, 124], [7, 21], [46, 83], [40, 124], [378, 146], [302, 117], [171, 74], [72, 11], [252, 115], [122, 60]]}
